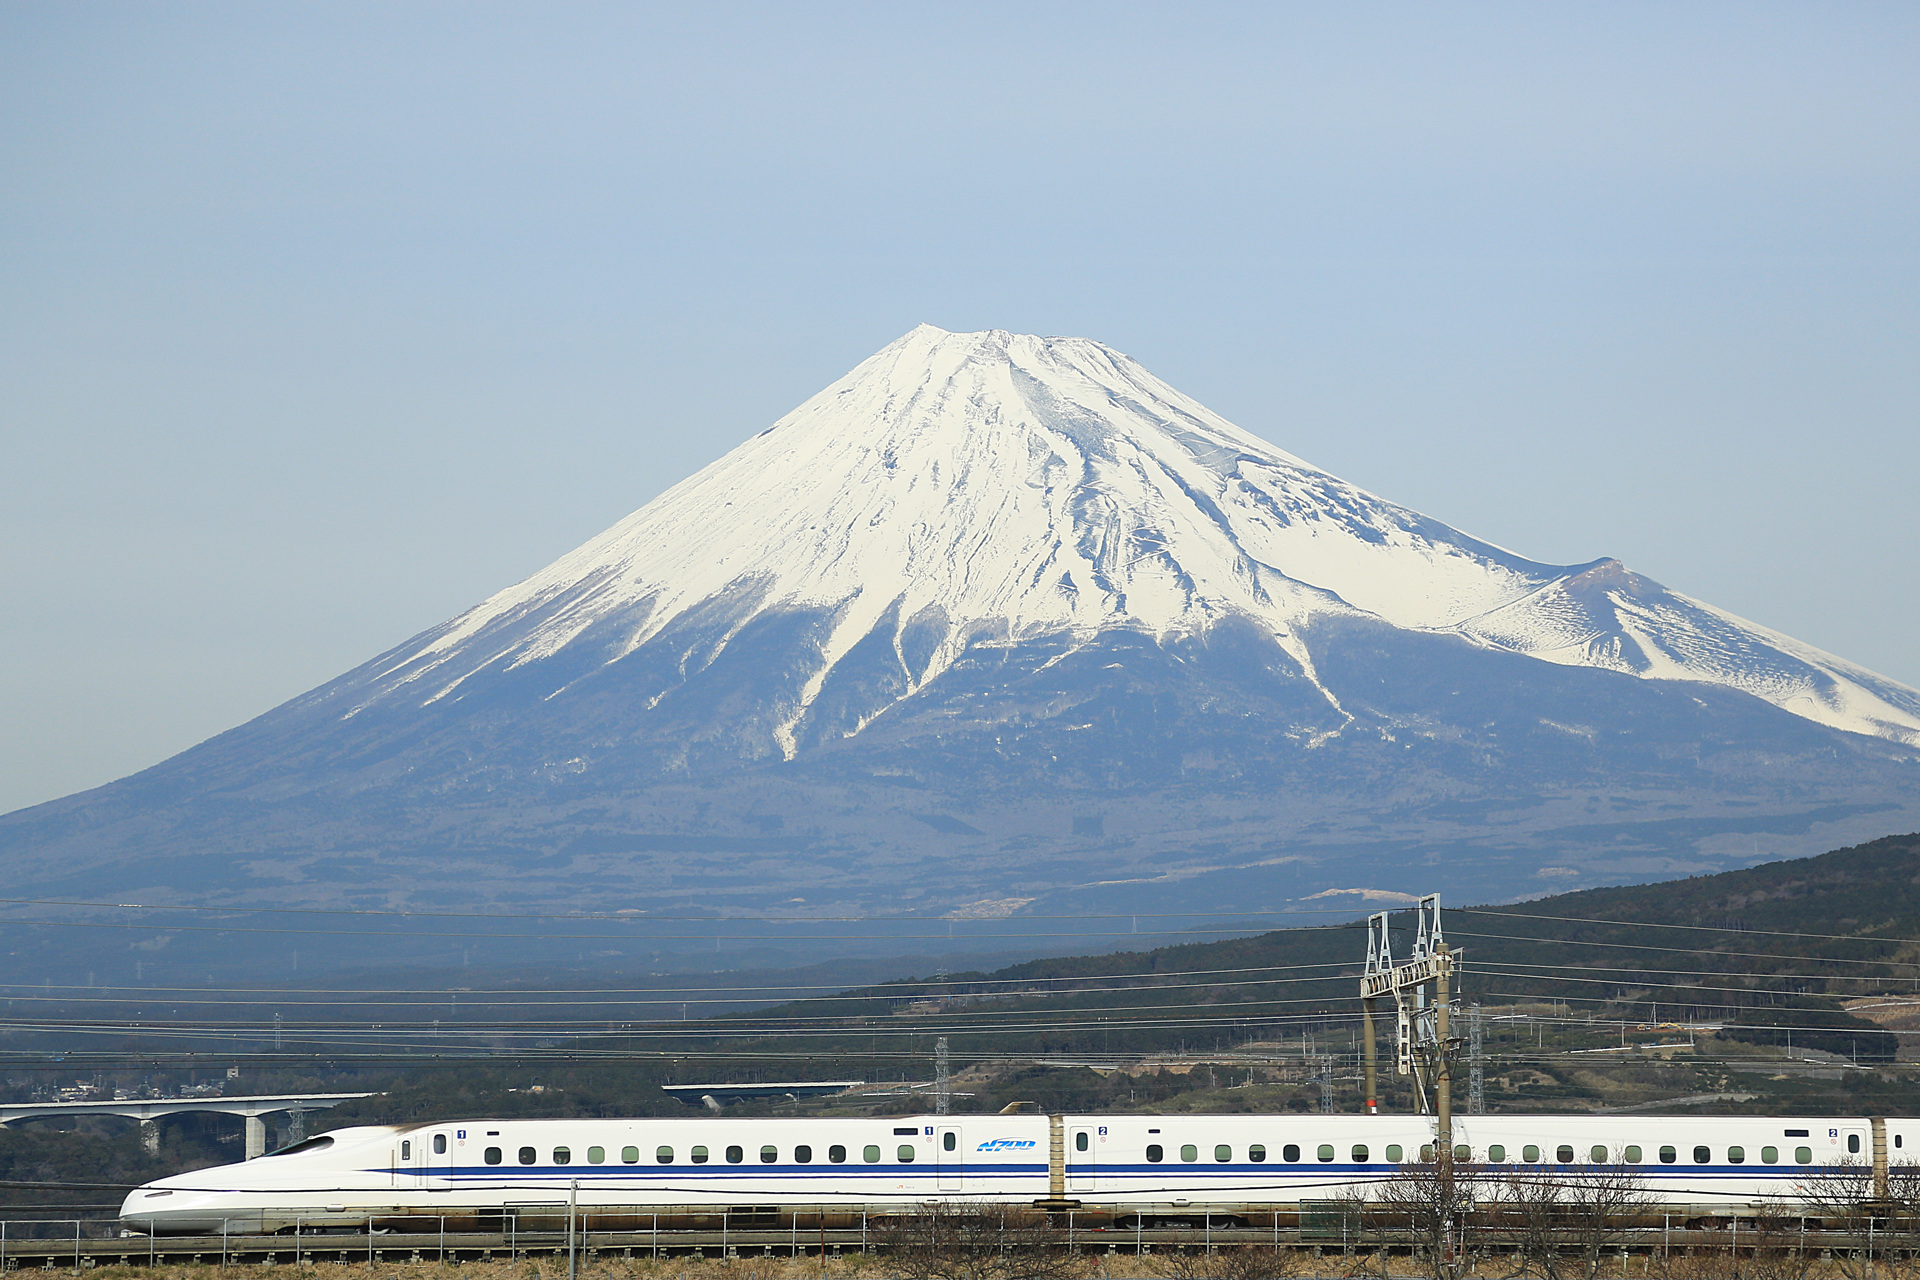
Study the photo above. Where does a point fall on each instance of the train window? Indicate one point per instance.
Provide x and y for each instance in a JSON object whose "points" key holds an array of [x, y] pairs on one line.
{"points": [[1794, 1133], [528, 1155], [837, 1154], [562, 1156], [736, 1154], [664, 1155], [1598, 1155], [1563, 1153], [1899, 1139], [1463, 1152], [1222, 1153], [1426, 1153], [699, 1155], [1853, 1144], [1496, 1154], [1770, 1155], [629, 1155], [1703, 1155], [906, 1153], [596, 1155], [1803, 1155], [1530, 1154], [1736, 1155], [1290, 1153], [1668, 1155], [1394, 1152], [1360, 1154], [1325, 1153], [870, 1154], [1257, 1153], [439, 1144], [1633, 1155], [1155, 1153], [769, 1154], [406, 1150], [803, 1155], [493, 1155], [951, 1140], [1189, 1152], [1079, 1141], [908, 1132]]}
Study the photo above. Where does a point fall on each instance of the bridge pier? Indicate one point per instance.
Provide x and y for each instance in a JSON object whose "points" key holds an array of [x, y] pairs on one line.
{"points": [[256, 1137], [150, 1136]]}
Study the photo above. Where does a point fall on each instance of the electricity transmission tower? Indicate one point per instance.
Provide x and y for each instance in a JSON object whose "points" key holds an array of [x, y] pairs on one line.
{"points": [[942, 1085], [1422, 991]]}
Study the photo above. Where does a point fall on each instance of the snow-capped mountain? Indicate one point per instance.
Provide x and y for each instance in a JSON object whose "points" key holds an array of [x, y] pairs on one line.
{"points": [[958, 488], [998, 626]]}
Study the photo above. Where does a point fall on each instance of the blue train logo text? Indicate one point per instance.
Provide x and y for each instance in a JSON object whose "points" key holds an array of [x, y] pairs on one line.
{"points": [[1007, 1144]]}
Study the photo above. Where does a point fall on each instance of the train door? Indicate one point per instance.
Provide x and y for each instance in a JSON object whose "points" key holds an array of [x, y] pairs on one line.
{"points": [[1849, 1145], [948, 1154], [434, 1158], [1082, 1144]]}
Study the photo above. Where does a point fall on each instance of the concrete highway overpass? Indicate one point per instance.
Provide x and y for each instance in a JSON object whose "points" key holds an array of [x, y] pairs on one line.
{"points": [[148, 1110]]}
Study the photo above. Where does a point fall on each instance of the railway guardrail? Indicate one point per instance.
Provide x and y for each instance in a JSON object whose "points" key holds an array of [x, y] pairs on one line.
{"points": [[82, 1244]]}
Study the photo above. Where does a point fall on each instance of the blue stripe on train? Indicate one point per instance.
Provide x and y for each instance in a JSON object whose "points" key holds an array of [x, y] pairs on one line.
{"points": [[717, 1171]]}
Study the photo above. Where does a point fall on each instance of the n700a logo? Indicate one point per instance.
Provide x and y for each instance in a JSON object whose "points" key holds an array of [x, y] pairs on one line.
{"points": [[1006, 1144]]}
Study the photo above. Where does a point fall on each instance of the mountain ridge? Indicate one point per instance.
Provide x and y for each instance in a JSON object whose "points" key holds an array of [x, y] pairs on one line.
{"points": [[1128, 537]]}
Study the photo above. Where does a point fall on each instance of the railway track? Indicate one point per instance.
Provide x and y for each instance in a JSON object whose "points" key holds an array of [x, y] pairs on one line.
{"points": [[81, 1253]]}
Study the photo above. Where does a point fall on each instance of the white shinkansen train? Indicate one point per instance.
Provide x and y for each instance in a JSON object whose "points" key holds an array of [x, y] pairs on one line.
{"points": [[1120, 1169]]}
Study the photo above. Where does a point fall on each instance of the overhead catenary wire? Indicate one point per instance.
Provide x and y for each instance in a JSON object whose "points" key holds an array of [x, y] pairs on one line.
{"points": [[225, 997], [21, 991], [973, 1022]]}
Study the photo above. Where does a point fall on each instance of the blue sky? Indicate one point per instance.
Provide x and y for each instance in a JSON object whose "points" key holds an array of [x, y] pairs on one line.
{"points": [[323, 322]]}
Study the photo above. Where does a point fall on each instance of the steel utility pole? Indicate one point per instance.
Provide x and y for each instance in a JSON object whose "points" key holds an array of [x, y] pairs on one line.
{"points": [[1441, 1051], [1367, 1055], [1476, 1063]]}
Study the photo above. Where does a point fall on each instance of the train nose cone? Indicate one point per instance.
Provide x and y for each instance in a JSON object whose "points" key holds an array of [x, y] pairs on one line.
{"points": [[168, 1213]]}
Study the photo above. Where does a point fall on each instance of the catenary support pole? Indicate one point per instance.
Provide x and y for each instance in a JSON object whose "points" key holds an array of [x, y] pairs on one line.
{"points": [[1368, 1051], [1443, 1065]]}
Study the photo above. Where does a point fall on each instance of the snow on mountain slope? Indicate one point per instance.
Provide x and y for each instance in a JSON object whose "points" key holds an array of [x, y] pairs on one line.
{"points": [[1002, 485]]}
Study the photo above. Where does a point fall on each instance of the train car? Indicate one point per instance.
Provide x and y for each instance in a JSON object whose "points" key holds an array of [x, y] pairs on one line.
{"points": [[1165, 1168], [619, 1173], [1118, 1169]]}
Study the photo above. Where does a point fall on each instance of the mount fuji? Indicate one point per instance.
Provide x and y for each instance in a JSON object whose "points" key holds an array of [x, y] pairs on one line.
{"points": [[1000, 625]]}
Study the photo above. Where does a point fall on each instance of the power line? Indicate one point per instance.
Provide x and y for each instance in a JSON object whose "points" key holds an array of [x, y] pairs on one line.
{"points": [[1696, 951], [635, 916], [651, 937], [638, 917], [26, 990], [1698, 928]]}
